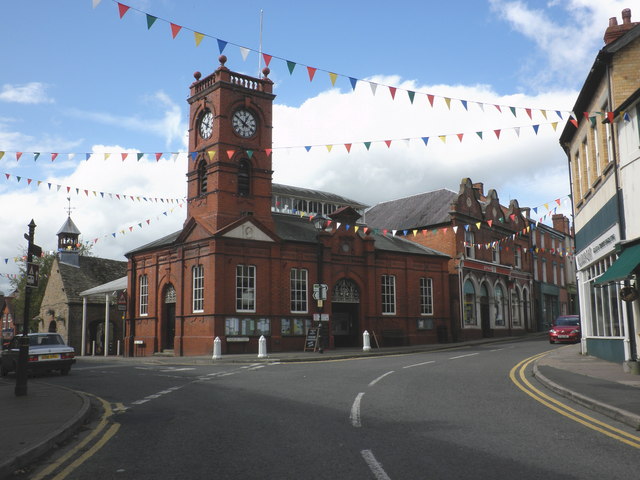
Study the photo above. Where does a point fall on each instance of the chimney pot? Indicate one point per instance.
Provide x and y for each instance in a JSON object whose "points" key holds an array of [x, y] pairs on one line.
{"points": [[626, 15], [613, 21]]}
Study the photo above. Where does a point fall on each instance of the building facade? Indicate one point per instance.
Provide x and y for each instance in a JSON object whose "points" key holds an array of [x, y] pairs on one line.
{"points": [[249, 261], [602, 150], [491, 279], [64, 311]]}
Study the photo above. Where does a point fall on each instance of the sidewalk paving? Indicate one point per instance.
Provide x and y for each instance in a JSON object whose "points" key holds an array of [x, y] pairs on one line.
{"points": [[33, 428]]}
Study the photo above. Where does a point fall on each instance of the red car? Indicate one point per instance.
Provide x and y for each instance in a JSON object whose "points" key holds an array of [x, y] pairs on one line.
{"points": [[565, 329]]}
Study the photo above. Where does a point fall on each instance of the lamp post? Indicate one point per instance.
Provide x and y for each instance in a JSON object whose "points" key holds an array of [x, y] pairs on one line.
{"points": [[32, 282], [320, 222]]}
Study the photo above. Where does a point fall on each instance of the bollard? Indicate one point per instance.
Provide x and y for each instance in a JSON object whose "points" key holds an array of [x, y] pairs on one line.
{"points": [[217, 349], [262, 347], [93, 348], [118, 348], [366, 342]]}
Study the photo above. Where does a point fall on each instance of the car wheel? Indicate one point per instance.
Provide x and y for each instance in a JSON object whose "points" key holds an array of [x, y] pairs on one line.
{"points": [[65, 371], [551, 342]]}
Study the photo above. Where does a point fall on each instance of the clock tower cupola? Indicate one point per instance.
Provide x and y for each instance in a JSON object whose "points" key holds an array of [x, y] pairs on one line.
{"points": [[230, 170]]}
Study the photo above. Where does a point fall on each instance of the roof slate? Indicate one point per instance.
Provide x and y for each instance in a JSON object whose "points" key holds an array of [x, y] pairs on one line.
{"points": [[93, 271], [424, 209]]}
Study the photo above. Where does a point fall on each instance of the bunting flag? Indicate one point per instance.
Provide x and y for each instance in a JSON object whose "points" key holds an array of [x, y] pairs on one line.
{"points": [[175, 29], [118, 196]]}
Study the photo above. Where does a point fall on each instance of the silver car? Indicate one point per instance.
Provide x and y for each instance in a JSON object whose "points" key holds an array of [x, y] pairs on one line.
{"points": [[47, 352]]}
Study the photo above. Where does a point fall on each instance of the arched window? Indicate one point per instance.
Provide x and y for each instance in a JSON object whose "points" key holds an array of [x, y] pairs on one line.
{"points": [[202, 177], [515, 308], [469, 304], [244, 178]]}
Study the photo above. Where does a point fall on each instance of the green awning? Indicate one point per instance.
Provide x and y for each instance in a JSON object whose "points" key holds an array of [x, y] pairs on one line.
{"points": [[622, 267]]}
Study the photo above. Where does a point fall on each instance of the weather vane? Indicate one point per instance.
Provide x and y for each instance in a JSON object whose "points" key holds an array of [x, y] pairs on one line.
{"points": [[69, 208]]}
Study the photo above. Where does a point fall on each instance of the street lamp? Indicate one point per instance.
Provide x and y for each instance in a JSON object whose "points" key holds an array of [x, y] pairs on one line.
{"points": [[320, 222]]}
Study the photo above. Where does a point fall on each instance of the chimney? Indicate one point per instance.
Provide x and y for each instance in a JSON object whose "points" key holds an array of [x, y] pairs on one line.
{"points": [[615, 31], [560, 223], [479, 187]]}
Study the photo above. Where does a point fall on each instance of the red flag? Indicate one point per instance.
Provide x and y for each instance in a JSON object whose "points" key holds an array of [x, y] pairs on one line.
{"points": [[498, 107], [574, 121], [312, 72], [528, 110], [267, 59], [497, 132], [18, 155], [348, 147], [610, 116], [430, 97], [122, 9], [392, 90], [175, 29], [158, 156], [124, 156], [388, 142], [460, 135], [54, 156], [268, 151]]}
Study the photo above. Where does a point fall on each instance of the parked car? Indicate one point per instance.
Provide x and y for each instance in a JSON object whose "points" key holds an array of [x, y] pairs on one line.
{"points": [[47, 352], [565, 329]]}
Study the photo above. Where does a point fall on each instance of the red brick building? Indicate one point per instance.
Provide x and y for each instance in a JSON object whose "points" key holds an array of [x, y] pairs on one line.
{"points": [[248, 260], [490, 269]]}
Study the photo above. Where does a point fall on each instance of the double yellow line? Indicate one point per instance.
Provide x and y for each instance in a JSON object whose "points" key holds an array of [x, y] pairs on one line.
{"points": [[110, 432], [517, 376]]}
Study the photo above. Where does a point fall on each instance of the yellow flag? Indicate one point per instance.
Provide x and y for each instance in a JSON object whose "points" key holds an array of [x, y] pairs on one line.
{"points": [[329, 147], [443, 138], [198, 37], [448, 100], [478, 225], [333, 77], [554, 125], [211, 154]]}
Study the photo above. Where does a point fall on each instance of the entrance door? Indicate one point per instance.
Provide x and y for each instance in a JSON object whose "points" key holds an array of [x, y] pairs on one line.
{"points": [[169, 318], [345, 310], [485, 311]]}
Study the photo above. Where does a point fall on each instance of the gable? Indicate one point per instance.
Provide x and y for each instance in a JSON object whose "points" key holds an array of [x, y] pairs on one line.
{"points": [[248, 231]]}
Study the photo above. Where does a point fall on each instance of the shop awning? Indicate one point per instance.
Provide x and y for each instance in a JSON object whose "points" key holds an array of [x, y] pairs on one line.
{"points": [[622, 267]]}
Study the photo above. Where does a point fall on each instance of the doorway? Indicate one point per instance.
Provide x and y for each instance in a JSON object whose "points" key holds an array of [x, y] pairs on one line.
{"points": [[169, 318], [485, 311], [345, 313]]}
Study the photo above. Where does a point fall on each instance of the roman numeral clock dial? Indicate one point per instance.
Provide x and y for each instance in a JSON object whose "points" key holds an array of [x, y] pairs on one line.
{"points": [[244, 123], [206, 124]]}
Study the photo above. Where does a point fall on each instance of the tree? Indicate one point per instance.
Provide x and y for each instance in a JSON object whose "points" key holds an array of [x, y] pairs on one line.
{"points": [[19, 283]]}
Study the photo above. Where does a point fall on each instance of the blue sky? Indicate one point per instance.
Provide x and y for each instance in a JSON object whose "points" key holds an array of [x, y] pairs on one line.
{"points": [[78, 79]]}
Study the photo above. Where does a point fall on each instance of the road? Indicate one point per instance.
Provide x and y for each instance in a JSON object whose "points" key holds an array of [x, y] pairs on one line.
{"points": [[452, 414]]}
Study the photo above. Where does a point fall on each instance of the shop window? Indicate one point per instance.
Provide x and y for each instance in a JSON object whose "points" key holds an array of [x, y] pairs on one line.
{"points": [[469, 304]]}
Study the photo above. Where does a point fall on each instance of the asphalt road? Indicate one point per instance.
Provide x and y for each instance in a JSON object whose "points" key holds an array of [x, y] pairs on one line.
{"points": [[443, 415]]}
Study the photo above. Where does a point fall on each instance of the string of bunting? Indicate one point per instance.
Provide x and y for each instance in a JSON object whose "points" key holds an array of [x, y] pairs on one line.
{"points": [[467, 227], [498, 134], [122, 232], [67, 189], [222, 44]]}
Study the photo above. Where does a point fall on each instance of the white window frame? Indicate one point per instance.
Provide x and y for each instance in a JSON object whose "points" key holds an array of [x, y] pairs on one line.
{"points": [[469, 248], [197, 289], [517, 257], [388, 294], [245, 288], [426, 296], [298, 287], [144, 295]]}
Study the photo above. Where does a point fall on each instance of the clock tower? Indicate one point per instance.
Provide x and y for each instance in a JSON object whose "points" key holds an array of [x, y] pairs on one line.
{"points": [[230, 173]]}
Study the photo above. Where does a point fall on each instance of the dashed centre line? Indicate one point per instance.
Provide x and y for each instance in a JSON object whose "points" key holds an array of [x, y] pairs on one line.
{"points": [[419, 364], [463, 356], [380, 378]]}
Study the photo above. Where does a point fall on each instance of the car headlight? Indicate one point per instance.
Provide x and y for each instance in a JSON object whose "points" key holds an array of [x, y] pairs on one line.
{"points": [[552, 331], [575, 331]]}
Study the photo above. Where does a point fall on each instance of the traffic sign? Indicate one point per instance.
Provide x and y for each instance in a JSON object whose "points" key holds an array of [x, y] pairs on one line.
{"points": [[33, 275]]}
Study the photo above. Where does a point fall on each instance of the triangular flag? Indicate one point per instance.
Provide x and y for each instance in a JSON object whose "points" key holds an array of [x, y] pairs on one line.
{"points": [[478, 225], [291, 65], [392, 91], [244, 51], [528, 110], [479, 134], [544, 113], [443, 138], [221, 45], [18, 155], [373, 87], [124, 156], [140, 155], [490, 222], [425, 140], [513, 110], [267, 59], [249, 154], [268, 151], [158, 156], [388, 142], [411, 95], [54, 156], [464, 104], [460, 135], [175, 29], [35, 156], [198, 37], [535, 128], [430, 97], [448, 102], [122, 9], [353, 81], [230, 153], [312, 72], [329, 147], [307, 148], [367, 145], [497, 132], [96, 3], [517, 129], [574, 122], [150, 20], [348, 147], [332, 77]]}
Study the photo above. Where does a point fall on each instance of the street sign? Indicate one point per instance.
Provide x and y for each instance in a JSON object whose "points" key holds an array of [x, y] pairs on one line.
{"points": [[122, 302], [33, 275], [320, 291]]}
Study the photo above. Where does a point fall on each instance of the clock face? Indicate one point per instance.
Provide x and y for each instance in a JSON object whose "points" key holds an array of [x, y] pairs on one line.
{"points": [[244, 123], [206, 124]]}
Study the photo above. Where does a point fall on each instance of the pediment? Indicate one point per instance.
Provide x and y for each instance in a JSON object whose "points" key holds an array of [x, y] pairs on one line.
{"points": [[248, 231]]}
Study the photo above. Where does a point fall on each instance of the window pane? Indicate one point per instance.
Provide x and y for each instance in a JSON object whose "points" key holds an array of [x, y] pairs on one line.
{"points": [[388, 285], [144, 295], [245, 288], [298, 288], [198, 288], [426, 296]]}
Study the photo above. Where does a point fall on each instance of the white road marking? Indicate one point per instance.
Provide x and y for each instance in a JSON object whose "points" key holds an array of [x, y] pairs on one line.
{"points": [[355, 411], [419, 364], [462, 356], [374, 465], [176, 369], [156, 395], [380, 378]]}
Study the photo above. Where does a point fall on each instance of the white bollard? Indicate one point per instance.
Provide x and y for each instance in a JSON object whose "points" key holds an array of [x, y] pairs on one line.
{"points": [[93, 348], [366, 342], [262, 347], [217, 349]]}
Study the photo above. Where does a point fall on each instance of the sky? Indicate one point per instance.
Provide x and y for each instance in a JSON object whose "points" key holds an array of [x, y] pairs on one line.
{"points": [[84, 91]]}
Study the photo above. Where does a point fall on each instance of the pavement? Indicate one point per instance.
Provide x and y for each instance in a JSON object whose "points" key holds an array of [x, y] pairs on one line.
{"points": [[35, 424]]}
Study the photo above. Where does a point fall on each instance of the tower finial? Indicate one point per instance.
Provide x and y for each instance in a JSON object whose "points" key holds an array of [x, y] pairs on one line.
{"points": [[69, 207]]}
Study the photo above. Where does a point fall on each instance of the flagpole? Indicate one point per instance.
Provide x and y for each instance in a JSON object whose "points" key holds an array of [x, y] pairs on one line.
{"points": [[260, 50]]}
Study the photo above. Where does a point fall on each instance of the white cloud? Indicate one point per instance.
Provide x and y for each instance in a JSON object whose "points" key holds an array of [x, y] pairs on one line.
{"points": [[567, 47], [33, 92]]}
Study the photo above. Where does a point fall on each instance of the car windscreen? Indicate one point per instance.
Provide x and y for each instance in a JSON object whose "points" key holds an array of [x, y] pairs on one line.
{"points": [[38, 340], [567, 322]]}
